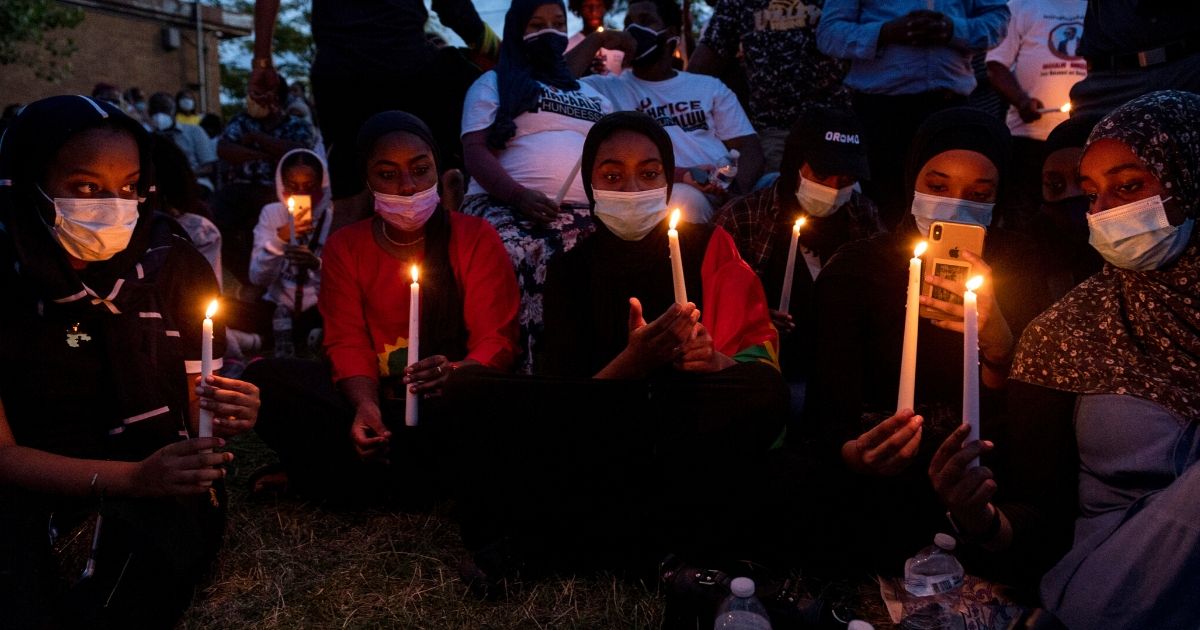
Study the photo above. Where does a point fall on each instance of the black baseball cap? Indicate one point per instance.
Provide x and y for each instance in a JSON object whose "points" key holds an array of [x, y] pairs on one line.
{"points": [[831, 141]]}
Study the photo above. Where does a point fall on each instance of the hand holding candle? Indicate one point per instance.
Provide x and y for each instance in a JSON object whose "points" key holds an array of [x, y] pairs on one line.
{"points": [[1066, 109], [908, 355], [676, 259], [785, 298], [414, 346], [206, 351], [970, 397]]}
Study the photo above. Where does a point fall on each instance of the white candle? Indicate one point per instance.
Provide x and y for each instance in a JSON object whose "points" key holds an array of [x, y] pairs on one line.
{"points": [[970, 408], [414, 346], [206, 338], [908, 354], [1066, 109], [676, 260], [291, 221], [566, 185], [785, 298]]}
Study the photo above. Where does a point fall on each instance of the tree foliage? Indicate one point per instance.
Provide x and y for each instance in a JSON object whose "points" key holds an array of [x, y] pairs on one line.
{"points": [[30, 35]]}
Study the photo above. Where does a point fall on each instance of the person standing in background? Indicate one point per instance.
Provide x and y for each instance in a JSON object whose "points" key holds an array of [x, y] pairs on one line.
{"points": [[1034, 69], [908, 59]]}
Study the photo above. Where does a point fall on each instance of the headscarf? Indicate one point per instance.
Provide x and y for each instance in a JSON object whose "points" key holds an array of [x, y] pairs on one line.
{"points": [[636, 122], [1070, 133], [443, 328], [964, 128], [26, 150], [326, 201], [1129, 332], [517, 76]]}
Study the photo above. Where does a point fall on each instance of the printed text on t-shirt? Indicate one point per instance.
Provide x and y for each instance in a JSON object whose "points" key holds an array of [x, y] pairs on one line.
{"points": [[569, 104], [687, 115]]}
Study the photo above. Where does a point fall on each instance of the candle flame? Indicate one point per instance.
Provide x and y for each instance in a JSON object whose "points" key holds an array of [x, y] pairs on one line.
{"points": [[800, 222], [1066, 108], [600, 29], [974, 283], [414, 273], [674, 218], [211, 310], [291, 205], [919, 250]]}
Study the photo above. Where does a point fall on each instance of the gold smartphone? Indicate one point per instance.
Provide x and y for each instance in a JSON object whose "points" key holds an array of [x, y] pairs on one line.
{"points": [[943, 259], [303, 214]]}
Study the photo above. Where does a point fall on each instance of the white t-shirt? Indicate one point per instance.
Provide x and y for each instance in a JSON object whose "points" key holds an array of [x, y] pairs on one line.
{"points": [[612, 58], [698, 111], [1041, 49], [548, 142]]}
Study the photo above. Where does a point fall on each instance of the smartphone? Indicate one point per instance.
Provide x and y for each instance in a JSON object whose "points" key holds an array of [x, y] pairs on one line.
{"points": [[303, 215], [944, 259]]}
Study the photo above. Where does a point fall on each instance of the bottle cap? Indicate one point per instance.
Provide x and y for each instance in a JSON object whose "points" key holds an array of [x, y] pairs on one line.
{"points": [[859, 624], [734, 153], [742, 587], [945, 541]]}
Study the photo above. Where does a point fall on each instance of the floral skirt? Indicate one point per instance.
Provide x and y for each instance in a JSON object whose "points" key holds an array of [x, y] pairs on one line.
{"points": [[531, 246]]}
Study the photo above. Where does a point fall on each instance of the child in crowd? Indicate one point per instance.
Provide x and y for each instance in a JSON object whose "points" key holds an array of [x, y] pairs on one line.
{"points": [[339, 426], [100, 344], [288, 266]]}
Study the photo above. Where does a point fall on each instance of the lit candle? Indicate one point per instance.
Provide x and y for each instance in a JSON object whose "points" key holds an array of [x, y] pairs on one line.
{"points": [[785, 298], [291, 221], [414, 346], [206, 337], [1066, 109], [676, 259], [566, 185], [970, 408], [912, 306]]}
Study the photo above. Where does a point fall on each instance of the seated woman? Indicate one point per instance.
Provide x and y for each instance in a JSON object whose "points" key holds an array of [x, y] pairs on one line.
{"points": [[290, 269], [325, 425], [1103, 409], [110, 517], [956, 164], [651, 388], [818, 180], [523, 128]]}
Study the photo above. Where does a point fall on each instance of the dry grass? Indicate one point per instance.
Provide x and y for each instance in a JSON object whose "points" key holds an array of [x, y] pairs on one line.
{"points": [[291, 564]]}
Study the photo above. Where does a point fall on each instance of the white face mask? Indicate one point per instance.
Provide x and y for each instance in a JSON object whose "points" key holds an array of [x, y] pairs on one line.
{"points": [[93, 229], [186, 104], [819, 200], [1137, 236], [161, 121], [930, 208], [407, 212], [631, 215]]}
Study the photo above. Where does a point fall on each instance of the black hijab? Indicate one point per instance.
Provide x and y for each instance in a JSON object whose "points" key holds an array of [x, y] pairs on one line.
{"points": [[443, 328], [518, 73], [636, 122]]}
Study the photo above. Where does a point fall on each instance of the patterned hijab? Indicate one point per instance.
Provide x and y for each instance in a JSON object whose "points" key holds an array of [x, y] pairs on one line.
{"points": [[1128, 332]]}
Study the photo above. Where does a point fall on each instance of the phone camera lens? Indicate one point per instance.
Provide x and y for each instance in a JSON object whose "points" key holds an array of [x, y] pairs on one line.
{"points": [[937, 232]]}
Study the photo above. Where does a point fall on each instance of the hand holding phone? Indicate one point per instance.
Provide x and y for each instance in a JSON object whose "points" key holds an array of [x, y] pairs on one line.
{"points": [[944, 260], [303, 214]]}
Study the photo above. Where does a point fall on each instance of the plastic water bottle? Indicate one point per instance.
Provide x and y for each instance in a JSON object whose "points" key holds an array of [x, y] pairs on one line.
{"points": [[285, 346], [933, 579], [742, 610], [728, 169]]}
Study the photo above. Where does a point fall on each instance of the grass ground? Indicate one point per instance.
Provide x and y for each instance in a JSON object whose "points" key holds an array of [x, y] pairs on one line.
{"points": [[291, 564]]}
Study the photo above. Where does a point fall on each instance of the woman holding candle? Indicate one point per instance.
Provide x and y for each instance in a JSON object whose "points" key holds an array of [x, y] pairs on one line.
{"points": [[1101, 425], [523, 127], [326, 425], [288, 265], [651, 385], [824, 159], [956, 164], [100, 348]]}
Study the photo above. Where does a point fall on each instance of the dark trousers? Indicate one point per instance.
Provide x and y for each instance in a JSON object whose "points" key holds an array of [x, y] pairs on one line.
{"points": [[345, 101], [889, 123], [584, 473], [306, 420]]}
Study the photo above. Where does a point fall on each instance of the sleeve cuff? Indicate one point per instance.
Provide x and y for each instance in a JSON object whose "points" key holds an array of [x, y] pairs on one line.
{"points": [[193, 367]]}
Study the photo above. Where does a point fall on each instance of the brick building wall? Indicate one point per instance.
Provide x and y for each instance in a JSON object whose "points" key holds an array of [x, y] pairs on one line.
{"points": [[121, 42]]}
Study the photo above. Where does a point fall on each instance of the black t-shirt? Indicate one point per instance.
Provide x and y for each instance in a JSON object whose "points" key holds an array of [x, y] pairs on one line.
{"points": [[383, 38], [60, 372]]}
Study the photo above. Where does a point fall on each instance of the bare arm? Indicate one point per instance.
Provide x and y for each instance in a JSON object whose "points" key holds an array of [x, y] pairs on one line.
{"points": [[750, 161], [704, 60], [235, 153], [486, 169], [579, 58], [360, 390], [265, 13]]}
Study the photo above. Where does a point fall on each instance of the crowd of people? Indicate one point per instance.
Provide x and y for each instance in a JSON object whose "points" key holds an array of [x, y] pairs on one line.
{"points": [[597, 377]]}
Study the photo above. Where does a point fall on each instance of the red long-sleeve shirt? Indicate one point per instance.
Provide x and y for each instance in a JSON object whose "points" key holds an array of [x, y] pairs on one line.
{"points": [[365, 295]]}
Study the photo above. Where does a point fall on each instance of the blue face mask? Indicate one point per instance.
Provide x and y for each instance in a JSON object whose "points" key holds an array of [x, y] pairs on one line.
{"points": [[929, 208], [545, 46], [1137, 236]]}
